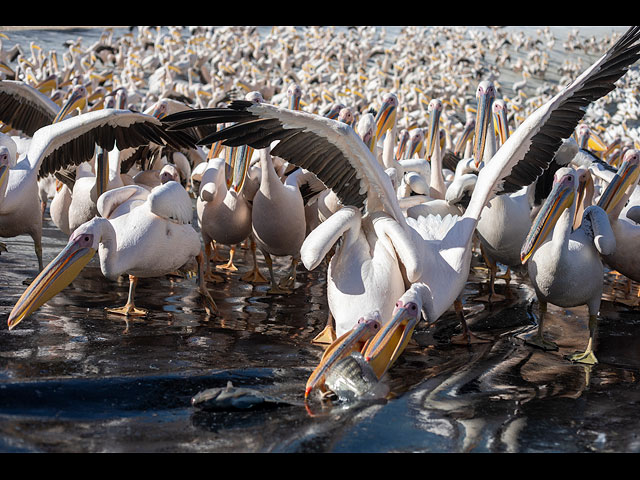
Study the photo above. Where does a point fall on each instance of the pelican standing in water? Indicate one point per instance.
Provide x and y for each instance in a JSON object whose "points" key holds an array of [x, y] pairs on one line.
{"points": [[564, 264], [151, 238]]}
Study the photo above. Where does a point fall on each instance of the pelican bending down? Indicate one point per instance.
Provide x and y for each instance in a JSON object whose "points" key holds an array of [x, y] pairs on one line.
{"points": [[564, 264], [151, 238]]}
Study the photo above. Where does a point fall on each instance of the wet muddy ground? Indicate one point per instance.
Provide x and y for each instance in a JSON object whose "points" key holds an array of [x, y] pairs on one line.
{"points": [[74, 378]]}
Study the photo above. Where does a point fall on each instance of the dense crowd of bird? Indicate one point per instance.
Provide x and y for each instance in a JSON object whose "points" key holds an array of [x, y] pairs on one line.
{"points": [[389, 161]]}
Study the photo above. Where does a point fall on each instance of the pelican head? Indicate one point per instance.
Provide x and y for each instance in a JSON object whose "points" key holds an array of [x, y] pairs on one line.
{"points": [[485, 94], [386, 117], [353, 340], [77, 99], [346, 116], [254, 96], [562, 196], [416, 139], [159, 109], [367, 130], [625, 177], [168, 173], [333, 111], [435, 110], [82, 246], [384, 349]]}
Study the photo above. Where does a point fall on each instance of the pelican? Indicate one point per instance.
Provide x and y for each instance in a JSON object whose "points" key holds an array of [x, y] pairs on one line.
{"points": [[382, 253], [149, 239], [627, 231], [564, 265]]}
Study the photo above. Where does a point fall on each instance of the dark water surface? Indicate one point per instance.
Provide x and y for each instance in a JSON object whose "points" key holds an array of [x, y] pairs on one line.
{"points": [[76, 379]]}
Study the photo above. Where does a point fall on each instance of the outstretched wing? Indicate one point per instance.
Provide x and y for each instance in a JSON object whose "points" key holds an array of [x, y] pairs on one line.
{"points": [[531, 148], [72, 141], [558, 118], [25, 108], [328, 148]]}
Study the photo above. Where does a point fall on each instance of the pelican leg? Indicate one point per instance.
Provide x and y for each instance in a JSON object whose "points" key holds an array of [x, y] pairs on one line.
{"points": [[130, 310], [587, 357], [290, 281], [209, 304], [275, 288], [492, 296], [229, 266], [37, 246], [537, 339], [466, 337], [208, 275], [216, 257], [3, 247], [507, 278], [328, 335], [254, 275]]}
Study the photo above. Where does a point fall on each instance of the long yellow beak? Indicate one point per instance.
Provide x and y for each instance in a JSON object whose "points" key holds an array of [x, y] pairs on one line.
{"points": [[77, 99], [351, 341], [483, 122], [386, 117], [560, 198], [4, 175], [53, 278], [241, 161], [466, 134], [434, 128], [402, 144], [626, 176], [385, 348]]}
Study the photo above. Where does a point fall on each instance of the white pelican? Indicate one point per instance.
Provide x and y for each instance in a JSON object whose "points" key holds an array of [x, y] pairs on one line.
{"points": [[71, 141], [627, 232], [365, 273], [150, 239], [564, 264]]}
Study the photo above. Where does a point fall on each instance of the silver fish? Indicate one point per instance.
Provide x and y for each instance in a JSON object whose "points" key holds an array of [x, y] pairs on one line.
{"points": [[232, 398], [353, 378]]}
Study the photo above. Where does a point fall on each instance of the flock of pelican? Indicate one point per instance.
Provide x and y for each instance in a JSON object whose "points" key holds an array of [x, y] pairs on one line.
{"points": [[323, 146]]}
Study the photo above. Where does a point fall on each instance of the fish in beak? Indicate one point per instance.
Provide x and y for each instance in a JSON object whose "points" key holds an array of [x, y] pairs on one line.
{"points": [[384, 349], [386, 117], [435, 110], [77, 99], [351, 341], [561, 197], [485, 95], [55, 276], [625, 177]]}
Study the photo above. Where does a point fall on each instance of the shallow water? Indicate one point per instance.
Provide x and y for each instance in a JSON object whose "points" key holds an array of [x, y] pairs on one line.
{"points": [[76, 379]]}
